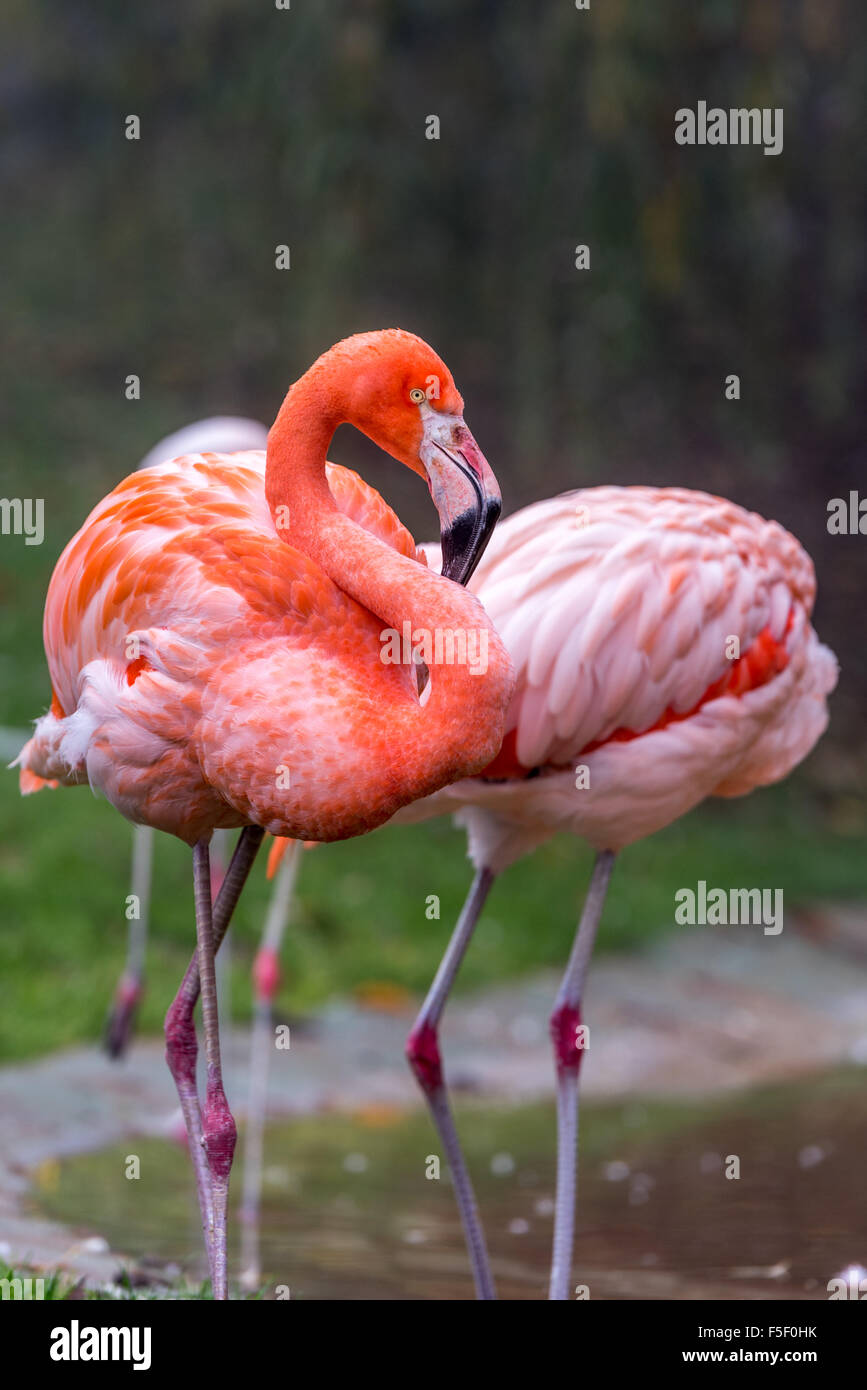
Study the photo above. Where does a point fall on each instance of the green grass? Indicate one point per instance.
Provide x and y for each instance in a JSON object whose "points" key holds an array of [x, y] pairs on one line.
{"points": [[57, 1287], [360, 917]]}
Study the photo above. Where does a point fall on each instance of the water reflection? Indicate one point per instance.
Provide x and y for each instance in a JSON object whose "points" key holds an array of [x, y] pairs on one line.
{"points": [[350, 1213]]}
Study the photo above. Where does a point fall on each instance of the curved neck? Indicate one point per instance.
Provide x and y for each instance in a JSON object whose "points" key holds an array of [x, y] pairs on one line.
{"points": [[465, 712], [295, 457], [390, 586]]}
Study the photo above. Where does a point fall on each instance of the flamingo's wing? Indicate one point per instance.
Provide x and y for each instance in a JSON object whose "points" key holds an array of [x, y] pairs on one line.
{"points": [[191, 536], [180, 564], [622, 607]]}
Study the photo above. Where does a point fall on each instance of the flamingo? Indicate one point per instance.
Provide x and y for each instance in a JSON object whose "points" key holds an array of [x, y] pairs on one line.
{"points": [[214, 635], [664, 653], [226, 434]]}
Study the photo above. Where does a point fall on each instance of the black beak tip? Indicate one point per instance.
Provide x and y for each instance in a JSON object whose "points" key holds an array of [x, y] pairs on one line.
{"points": [[463, 543]]}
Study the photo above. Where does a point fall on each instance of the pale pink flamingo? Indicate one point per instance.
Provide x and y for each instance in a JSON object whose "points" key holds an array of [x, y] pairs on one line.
{"points": [[222, 434], [214, 639], [664, 653]]}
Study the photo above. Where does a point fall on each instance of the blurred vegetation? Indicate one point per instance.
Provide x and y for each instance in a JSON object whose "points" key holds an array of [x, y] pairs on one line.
{"points": [[306, 127], [58, 1286], [261, 127], [360, 918]]}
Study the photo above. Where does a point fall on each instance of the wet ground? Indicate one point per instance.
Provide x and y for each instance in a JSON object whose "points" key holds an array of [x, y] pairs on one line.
{"points": [[714, 1046], [350, 1213]]}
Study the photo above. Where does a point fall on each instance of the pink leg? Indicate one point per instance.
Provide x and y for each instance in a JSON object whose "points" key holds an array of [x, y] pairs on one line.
{"points": [[120, 1025], [568, 1051], [181, 1055], [422, 1050], [218, 1126], [181, 1045]]}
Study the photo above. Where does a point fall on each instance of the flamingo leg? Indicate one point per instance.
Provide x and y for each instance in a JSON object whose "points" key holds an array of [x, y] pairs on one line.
{"points": [[266, 975], [220, 849], [423, 1054], [130, 987], [180, 1030], [568, 1051], [218, 1126]]}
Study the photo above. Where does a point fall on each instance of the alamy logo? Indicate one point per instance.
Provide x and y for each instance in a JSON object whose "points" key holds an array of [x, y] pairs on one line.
{"points": [[852, 1283], [75, 1343], [440, 646], [737, 126], [23, 516], [847, 517], [714, 907], [25, 1289]]}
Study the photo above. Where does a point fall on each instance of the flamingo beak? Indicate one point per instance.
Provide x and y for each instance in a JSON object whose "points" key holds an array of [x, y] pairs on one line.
{"points": [[463, 488]]}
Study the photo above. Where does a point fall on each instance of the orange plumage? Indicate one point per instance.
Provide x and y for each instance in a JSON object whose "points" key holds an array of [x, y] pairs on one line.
{"points": [[213, 631]]}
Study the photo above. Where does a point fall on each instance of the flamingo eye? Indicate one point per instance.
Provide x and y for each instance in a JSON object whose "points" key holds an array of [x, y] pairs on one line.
{"points": [[416, 394]]}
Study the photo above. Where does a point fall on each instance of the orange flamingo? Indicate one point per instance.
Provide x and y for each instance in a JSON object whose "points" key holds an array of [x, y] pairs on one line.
{"points": [[214, 635], [664, 653]]}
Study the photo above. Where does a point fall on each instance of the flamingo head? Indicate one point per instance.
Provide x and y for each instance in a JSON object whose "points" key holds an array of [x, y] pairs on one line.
{"points": [[402, 396]]}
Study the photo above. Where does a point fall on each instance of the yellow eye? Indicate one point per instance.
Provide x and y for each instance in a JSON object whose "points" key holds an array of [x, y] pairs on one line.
{"points": [[416, 394]]}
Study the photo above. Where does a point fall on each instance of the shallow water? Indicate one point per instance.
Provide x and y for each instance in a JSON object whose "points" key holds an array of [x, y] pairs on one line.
{"points": [[349, 1212]]}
